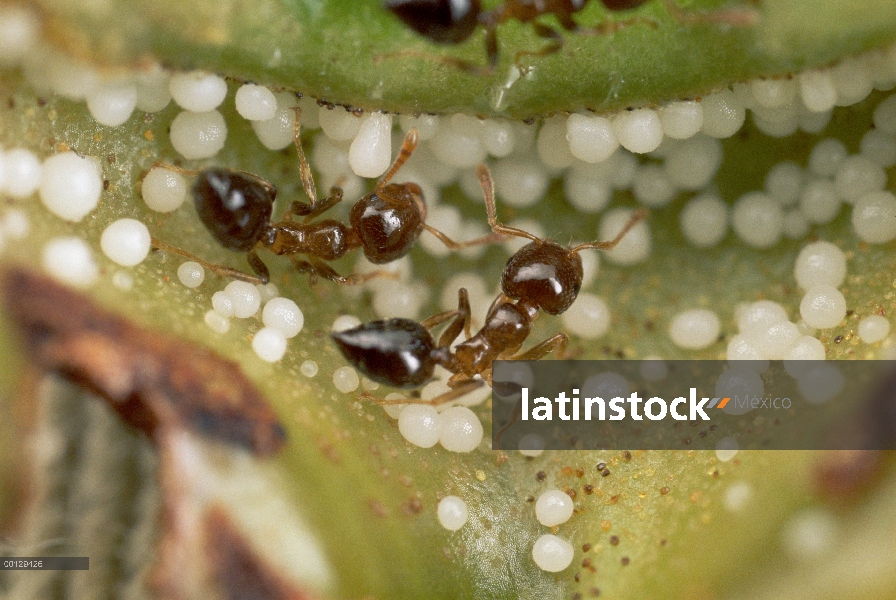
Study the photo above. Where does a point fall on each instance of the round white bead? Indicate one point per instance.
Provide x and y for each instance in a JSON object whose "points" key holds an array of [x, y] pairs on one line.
{"points": [[695, 329], [873, 329], [551, 553], [857, 176], [704, 221], [163, 190], [198, 91], [461, 430], [452, 512], [269, 344], [820, 263], [553, 507], [520, 181], [198, 134], [112, 104], [826, 156], [591, 138], [217, 322], [277, 132], [285, 315], [420, 425], [758, 220], [346, 379], [126, 242], [693, 163], [681, 120], [638, 130], [255, 102], [70, 260], [245, 297], [70, 186], [191, 274], [371, 150], [723, 114], [22, 173], [873, 217], [819, 201], [823, 307]]}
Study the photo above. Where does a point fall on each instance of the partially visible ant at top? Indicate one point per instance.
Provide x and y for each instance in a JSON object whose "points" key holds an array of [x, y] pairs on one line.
{"points": [[454, 21], [236, 208], [542, 275]]}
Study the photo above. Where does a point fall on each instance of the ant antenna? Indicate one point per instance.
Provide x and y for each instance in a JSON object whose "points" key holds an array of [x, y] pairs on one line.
{"points": [[636, 218], [304, 169], [488, 190], [407, 148]]}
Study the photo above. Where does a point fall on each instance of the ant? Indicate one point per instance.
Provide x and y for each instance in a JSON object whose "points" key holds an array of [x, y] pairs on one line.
{"points": [[542, 275], [454, 21], [236, 208]]}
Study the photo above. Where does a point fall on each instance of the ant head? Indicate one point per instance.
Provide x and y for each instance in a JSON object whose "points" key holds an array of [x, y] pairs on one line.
{"points": [[442, 21], [396, 352], [235, 207], [544, 273], [389, 221]]}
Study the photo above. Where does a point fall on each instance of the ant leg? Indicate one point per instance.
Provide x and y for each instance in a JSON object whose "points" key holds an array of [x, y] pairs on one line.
{"points": [[316, 267], [407, 149], [557, 343], [490, 238], [216, 269], [303, 266], [488, 191], [463, 388], [636, 218], [258, 266], [514, 418], [738, 17], [300, 209], [176, 169], [545, 32], [462, 323], [304, 169]]}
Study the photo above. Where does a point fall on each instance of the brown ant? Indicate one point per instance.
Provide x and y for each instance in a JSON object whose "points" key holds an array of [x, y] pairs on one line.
{"points": [[454, 21], [542, 275], [236, 208]]}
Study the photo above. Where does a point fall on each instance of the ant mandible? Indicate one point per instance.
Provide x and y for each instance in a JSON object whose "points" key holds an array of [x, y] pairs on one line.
{"points": [[236, 208], [542, 275], [454, 21]]}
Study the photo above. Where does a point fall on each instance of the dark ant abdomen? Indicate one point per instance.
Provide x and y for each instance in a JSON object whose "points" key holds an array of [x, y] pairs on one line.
{"points": [[545, 273], [442, 21], [396, 352], [327, 239], [389, 221], [233, 207]]}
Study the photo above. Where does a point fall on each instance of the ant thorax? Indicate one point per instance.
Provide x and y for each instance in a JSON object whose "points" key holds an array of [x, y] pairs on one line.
{"points": [[389, 221], [544, 273], [327, 239], [233, 207], [507, 326]]}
